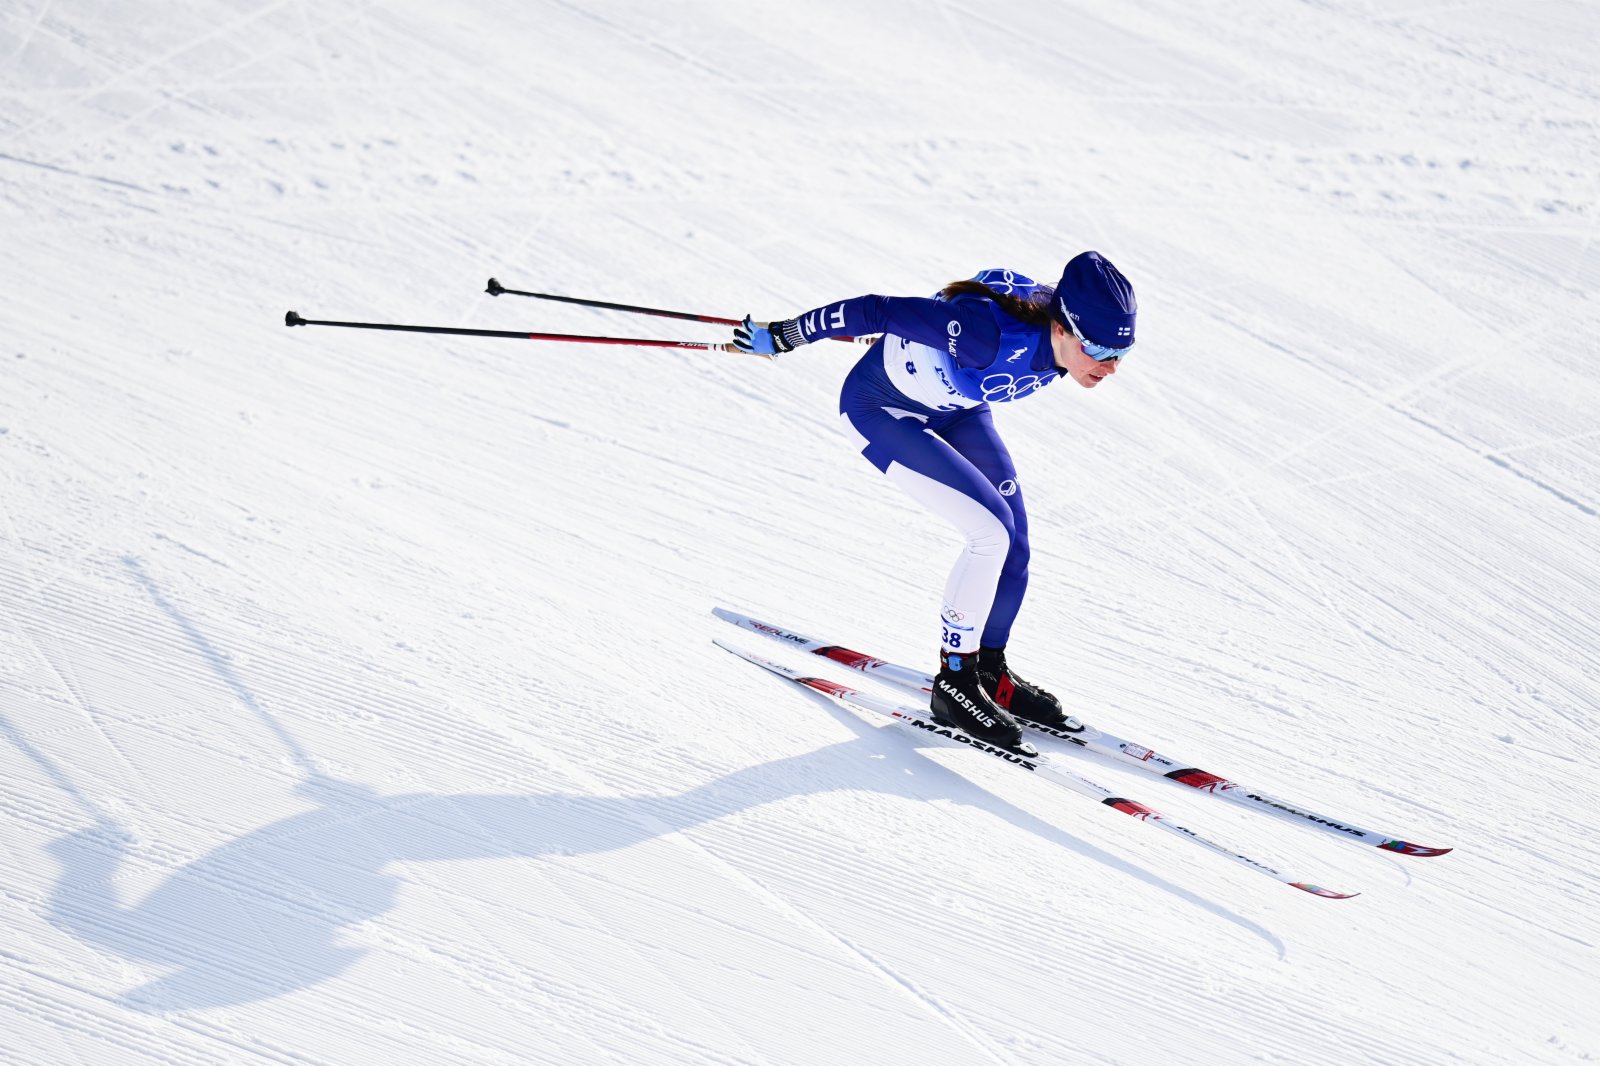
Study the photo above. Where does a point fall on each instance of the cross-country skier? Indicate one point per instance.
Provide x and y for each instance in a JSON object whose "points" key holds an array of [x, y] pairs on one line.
{"points": [[918, 405]]}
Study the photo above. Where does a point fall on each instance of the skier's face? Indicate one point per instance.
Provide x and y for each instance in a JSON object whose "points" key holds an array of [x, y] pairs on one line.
{"points": [[1071, 358]]}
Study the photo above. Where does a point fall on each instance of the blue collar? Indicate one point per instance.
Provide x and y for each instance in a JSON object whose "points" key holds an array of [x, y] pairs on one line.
{"points": [[1044, 356]]}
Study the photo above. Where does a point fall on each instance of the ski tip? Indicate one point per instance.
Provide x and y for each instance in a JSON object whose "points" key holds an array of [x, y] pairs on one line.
{"points": [[759, 660], [740, 652], [742, 620], [1325, 893], [755, 625], [1404, 848]]}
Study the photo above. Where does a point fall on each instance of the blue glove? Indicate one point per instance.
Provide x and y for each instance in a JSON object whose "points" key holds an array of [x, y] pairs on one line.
{"points": [[761, 338]]}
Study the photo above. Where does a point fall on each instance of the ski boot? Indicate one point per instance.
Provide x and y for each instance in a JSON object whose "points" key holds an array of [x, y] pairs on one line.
{"points": [[959, 700], [1023, 700]]}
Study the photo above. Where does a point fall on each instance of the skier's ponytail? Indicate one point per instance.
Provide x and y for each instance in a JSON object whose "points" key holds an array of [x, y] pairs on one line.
{"points": [[1034, 310]]}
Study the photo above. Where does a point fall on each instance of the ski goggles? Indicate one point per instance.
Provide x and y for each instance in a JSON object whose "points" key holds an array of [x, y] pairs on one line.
{"points": [[1100, 353]]}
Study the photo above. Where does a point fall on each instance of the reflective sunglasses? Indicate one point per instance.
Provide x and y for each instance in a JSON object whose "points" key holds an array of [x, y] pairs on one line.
{"points": [[1098, 352]]}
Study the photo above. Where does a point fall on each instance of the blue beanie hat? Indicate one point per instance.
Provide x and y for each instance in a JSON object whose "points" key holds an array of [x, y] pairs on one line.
{"points": [[1098, 298]]}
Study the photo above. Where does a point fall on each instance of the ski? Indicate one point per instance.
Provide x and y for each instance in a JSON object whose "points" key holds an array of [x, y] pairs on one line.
{"points": [[919, 721], [1097, 741]]}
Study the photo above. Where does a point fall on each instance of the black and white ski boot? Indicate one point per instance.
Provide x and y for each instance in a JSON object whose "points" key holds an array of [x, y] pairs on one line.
{"points": [[1023, 700], [960, 701]]}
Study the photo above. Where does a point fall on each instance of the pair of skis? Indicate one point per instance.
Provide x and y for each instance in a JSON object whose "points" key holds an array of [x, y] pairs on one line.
{"points": [[1077, 733]]}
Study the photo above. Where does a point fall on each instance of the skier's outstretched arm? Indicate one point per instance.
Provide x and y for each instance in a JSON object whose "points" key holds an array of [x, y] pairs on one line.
{"points": [[967, 329]]}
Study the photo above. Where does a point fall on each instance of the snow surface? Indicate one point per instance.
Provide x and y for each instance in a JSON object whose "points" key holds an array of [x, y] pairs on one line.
{"points": [[357, 690]]}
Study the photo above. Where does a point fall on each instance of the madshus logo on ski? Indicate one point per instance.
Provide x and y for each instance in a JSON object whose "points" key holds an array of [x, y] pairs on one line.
{"points": [[967, 738], [1337, 826]]}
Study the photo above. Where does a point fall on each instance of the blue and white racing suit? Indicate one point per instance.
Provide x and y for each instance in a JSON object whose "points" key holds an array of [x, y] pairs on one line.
{"points": [[918, 406]]}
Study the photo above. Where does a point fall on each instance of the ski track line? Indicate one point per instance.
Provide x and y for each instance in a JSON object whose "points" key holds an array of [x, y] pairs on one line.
{"points": [[113, 1025], [375, 66], [510, 985], [755, 90], [1362, 636], [19, 576], [947, 14], [428, 80], [181, 96], [347, 697], [657, 902], [1143, 864], [319, 63], [390, 1028], [374, 84], [610, 885], [244, 889], [129, 72], [1377, 402], [1093, 952], [926, 1001], [595, 201], [884, 972], [220, 216], [27, 35], [82, 703], [1113, 518], [587, 1010], [255, 885], [24, 807], [1240, 493], [464, 201], [625, 946], [470, 307]]}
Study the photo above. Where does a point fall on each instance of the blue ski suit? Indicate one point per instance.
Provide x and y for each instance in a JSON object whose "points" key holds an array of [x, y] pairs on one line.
{"points": [[918, 404]]}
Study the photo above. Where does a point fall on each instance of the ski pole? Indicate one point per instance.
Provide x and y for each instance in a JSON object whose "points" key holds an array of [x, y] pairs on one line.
{"points": [[497, 289], [293, 318]]}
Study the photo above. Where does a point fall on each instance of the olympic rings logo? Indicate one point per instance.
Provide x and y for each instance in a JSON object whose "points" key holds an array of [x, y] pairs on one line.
{"points": [[1000, 388], [1005, 281]]}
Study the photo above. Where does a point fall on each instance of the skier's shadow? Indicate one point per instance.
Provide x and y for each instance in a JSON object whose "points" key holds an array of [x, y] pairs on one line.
{"points": [[261, 915]]}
